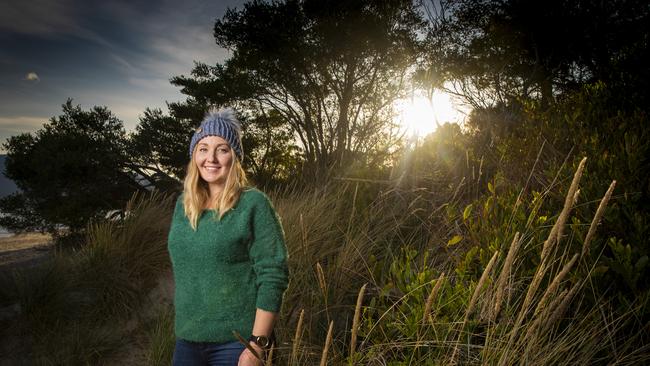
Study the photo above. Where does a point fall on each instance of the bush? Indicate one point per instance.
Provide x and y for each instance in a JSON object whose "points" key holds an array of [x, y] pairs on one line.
{"points": [[79, 307]]}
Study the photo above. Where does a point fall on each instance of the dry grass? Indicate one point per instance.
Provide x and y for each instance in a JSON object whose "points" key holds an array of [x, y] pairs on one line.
{"points": [[558, 229], [432, 295], [297, 339], [21, 250], [472, 302], [552, 239], [355, 321], [336, 257], [555, 284], [82, 306], [596, 220], [505, 275], [338, 265], [479, 286], [23, 241], [328, 343]]}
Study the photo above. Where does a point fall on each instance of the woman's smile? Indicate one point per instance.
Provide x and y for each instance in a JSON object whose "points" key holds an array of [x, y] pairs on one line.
{"points": [[214, 158]]}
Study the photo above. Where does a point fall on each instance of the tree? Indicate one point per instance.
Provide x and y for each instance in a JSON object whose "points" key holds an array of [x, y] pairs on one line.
{"points": [[495, 52], [270, 152], [72, 170], [159, 147], [330, 69]]}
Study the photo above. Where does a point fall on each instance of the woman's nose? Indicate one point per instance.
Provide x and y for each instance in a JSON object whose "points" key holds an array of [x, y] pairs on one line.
{"points": [[212, 156]]}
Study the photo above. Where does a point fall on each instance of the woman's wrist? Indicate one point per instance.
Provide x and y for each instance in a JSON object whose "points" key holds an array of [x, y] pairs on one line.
{"points": [[261, 352]]}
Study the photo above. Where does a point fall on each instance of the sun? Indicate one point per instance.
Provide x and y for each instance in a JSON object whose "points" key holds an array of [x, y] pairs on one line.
{"points": [[421, 115]]}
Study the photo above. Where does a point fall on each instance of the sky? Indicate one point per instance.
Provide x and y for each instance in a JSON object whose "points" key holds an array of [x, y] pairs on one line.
{"points": [[119, 54]]}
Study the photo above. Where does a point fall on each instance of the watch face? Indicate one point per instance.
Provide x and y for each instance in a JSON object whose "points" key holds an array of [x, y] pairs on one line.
{"points": [[262, 341]]}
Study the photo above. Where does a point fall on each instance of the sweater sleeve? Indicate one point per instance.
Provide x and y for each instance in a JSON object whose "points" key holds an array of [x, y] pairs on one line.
{"points": [[268, 252]]}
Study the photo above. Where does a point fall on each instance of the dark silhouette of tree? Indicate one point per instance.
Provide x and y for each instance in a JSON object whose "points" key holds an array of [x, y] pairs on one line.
{"points": [[159, 147], [329, 69], [271, 154], [72, 170], [498, 51]]}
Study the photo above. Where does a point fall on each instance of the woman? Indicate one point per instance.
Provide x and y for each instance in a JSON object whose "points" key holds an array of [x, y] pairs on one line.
{"points": [[228, 254]]}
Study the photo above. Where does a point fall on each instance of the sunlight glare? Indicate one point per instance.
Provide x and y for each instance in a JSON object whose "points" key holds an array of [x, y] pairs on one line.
{"points": [[421, 116]]}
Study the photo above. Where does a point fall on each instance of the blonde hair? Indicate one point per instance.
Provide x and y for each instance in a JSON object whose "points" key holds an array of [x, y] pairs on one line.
{"points": [[196, 194]]}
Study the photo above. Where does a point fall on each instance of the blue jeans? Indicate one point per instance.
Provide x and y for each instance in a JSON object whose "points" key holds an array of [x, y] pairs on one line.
{"points": [[187, 353]]}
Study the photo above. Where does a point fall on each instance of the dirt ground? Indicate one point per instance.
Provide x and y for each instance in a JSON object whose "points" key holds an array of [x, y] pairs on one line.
{"points": [[18, 252], [24, 250]]}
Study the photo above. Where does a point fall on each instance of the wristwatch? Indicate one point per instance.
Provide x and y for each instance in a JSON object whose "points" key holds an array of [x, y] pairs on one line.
{"points": [[262, 341]]}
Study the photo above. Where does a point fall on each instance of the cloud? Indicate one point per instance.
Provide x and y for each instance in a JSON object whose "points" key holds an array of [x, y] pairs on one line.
{"points": [[141, 46], [32, 76], [13, 126], [122, 62], [50, 19], [38, 17], [19, 124]]}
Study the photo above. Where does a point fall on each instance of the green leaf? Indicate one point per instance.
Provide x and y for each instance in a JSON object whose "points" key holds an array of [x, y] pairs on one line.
{"points": [[600, 270], [487, 205], [641, 263], [454, 240], [467, 212], [490, 187]]}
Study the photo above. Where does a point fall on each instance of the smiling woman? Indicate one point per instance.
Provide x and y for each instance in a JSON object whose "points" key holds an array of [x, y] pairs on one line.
{"points": [[421, 115], [228, 254], [213, 158]]}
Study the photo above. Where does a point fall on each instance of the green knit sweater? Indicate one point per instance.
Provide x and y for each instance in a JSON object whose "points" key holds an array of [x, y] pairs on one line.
{"points": [[226, 269]]}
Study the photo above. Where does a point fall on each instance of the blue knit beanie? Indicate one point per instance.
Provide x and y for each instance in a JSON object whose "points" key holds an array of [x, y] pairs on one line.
{"points": [[224, 124]]}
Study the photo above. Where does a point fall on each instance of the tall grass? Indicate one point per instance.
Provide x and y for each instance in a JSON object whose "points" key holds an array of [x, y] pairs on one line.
{"points": [[373, 282], [521, 319], [84, 306], [161, 338]]}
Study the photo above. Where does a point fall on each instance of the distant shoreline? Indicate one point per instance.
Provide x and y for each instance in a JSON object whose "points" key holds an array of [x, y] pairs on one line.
{"points": [[23, 250]]}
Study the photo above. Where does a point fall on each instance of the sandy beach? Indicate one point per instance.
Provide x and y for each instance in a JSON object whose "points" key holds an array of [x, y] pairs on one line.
{"points": [[24, 250]]}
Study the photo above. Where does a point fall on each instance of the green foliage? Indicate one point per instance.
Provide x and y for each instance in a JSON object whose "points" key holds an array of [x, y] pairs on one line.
{"points": [[72, 170], [492, 225], [601, 125], [395, 314], [631, 268], [271, 154], [526, 153], [369, 249], [159, 146], [330, 69], [502, 51], [393, 326], [162, 141]]}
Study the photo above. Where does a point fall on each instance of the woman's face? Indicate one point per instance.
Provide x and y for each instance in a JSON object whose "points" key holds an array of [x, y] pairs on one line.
{"points": [[213, 157]]}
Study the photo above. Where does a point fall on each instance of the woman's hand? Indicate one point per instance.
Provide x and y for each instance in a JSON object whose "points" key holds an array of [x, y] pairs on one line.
{"points": [[263, 326], [247, 358]]}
